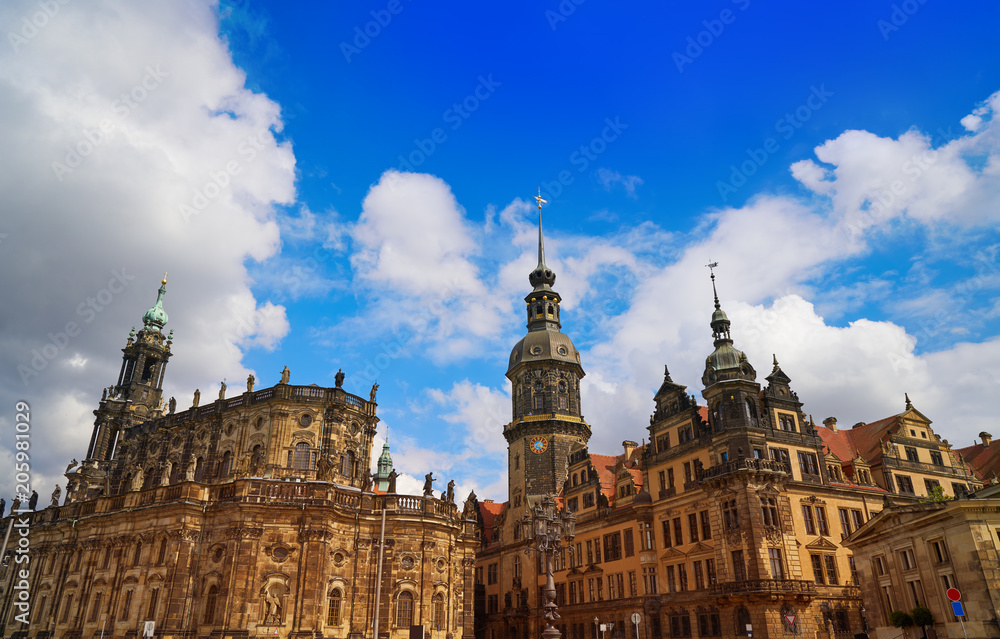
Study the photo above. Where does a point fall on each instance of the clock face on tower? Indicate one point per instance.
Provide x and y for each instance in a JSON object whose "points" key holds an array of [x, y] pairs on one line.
{"points": [[539, 445]]}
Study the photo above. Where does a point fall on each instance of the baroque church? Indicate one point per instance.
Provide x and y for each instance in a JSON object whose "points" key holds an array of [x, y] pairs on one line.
{"points": [[728, 522], [249, 515]]}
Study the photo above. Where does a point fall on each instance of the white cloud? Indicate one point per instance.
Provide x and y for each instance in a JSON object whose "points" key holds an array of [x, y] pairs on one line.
{"points": [[118, 116]]}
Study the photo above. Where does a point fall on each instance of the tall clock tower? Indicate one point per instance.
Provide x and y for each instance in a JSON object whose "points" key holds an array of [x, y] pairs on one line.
{"points": [[545, 374]]}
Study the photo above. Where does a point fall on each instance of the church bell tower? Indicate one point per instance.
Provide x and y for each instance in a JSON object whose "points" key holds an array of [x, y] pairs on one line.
{"points": [[136, 396], [545, 374]]}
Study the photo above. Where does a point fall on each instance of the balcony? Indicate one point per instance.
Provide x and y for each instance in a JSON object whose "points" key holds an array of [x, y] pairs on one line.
{"points": [[921, 467], [764, 587], [746, 464]]}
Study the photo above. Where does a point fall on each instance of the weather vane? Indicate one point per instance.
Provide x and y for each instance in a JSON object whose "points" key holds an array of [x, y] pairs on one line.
{"points": [[538, 198], [711, 266]]}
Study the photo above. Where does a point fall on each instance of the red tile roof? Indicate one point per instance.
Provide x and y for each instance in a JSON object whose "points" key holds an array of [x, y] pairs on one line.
{"points": [[985, 460]]}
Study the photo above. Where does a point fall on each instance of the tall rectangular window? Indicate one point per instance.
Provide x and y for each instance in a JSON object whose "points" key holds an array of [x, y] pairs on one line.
{"points": [[817, 565], [730, 515], [646, 535], [666, 534], [769, 509], [682, 577], [127, 605], [699, 576], [649, 580], [821, 525], [629, 542], [633, 589], [710, 571], [678, 532], [777, 566], [671, 579], [154, 597], [96, 610], [706, 526], [857, 518], [831, 570], [845, 523], [613, 546], [693, 527], [739, 566], [807, 519]]}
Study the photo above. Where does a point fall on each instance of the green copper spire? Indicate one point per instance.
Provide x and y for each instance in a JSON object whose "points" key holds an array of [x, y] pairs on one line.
{"points": [[384, 468], [156, 317]]}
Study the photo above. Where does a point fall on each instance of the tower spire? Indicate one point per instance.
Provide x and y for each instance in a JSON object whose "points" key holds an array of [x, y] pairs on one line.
{"points": [[542, 278], [541, 240]]}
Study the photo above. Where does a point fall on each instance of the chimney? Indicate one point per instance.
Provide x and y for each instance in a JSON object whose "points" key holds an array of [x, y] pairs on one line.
{"points": [[831, 423], [629, 447], [986, 437]]}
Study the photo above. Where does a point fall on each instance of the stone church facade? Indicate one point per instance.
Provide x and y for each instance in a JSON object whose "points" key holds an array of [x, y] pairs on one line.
{"points": [[250, 515], [727, 522]]}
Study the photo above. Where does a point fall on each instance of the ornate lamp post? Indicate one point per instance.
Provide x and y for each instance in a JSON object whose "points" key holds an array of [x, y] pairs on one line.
{"points": [[545, 529]]}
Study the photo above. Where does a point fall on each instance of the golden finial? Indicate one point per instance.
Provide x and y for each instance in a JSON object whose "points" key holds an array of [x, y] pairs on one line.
{"points": [[164, 281], [538, 198]]}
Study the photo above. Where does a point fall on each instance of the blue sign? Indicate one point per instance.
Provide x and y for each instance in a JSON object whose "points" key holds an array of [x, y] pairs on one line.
{"points": [[956, 606]]}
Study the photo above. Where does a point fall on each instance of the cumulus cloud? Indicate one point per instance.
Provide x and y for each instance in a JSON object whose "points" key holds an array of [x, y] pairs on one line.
{"points": [[135, 148]]}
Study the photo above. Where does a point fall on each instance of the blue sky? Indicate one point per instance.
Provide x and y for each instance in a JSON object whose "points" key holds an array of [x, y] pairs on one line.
{"points": [[370, 168]]}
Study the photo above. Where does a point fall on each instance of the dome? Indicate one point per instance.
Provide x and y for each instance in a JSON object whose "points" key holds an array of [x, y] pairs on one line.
{"points": [[156, 317], [719, 316], [725, 357], [544, 345], [642, 497]]}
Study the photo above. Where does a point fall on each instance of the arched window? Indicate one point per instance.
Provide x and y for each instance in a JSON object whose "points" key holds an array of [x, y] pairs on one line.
{"points": [[575, 477], [211, 598], [138, 554], [583, 475], [437, 602], [301, 456], [742, 619], [199, 469], [347, 464], [161, 555], [227, 464], [404, 610], [334, 605], [517, 567], [751, 412]]}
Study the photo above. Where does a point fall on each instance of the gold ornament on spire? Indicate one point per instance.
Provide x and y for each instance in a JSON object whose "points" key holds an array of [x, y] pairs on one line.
{"points": [[538, 198]]}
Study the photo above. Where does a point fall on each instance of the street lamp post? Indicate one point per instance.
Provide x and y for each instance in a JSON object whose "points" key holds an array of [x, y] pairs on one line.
{"points": [[545, 529]]}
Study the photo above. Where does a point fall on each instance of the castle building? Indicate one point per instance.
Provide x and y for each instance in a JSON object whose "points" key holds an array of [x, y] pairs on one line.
{"points": [[912, 555], [728, 522], [250, 515]]}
